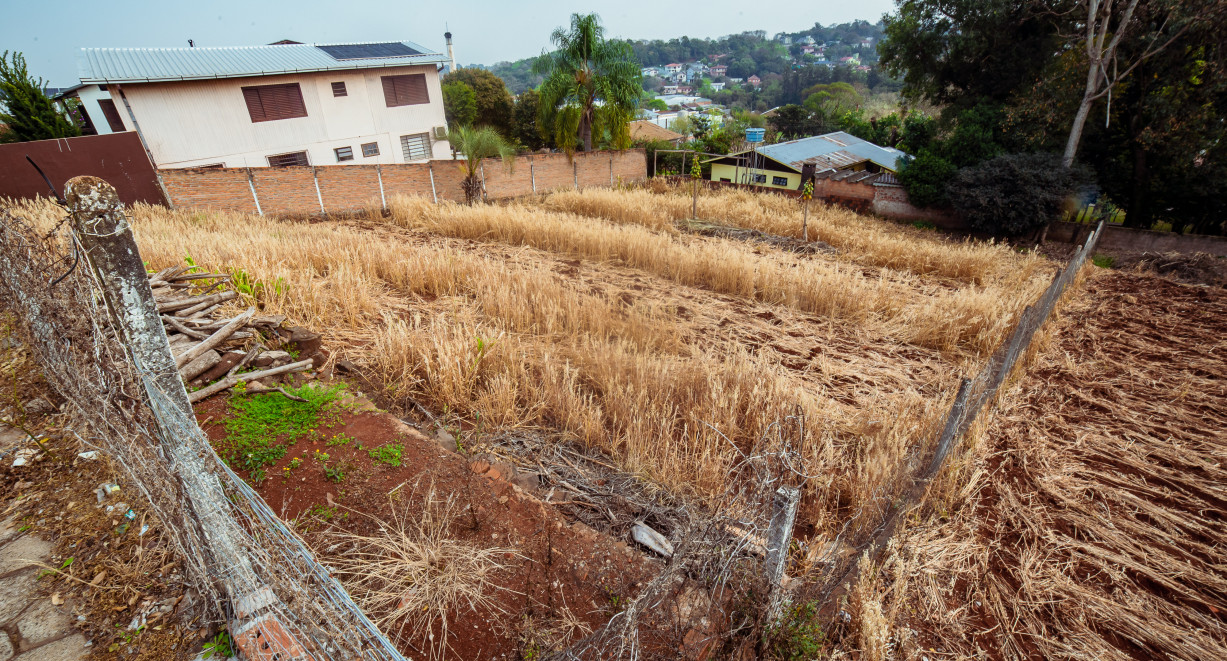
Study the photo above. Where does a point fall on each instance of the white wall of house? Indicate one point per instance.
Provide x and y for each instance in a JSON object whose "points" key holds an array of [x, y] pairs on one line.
{"points": [[90, 95], [206, 122]]}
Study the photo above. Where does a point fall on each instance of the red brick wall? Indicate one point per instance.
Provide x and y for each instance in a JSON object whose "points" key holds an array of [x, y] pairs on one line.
{"points": [[286, 190], [406, 179], [225, 189], [349, 188], [354, 187], [891, 201]]}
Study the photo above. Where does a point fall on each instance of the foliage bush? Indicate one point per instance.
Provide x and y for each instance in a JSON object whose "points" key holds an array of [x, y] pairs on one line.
{"points": [[925, 177], [1013, 194]]}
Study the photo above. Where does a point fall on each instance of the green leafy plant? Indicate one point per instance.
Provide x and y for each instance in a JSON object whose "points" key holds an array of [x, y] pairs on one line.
{"points": [[340, 439], [261, 428], [798, 635], [337, 473], [387, 454], [219, 646], [1103, 261]]}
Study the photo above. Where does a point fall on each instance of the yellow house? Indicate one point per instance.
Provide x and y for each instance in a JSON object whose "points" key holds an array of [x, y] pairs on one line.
{"points": [[781, 165]]}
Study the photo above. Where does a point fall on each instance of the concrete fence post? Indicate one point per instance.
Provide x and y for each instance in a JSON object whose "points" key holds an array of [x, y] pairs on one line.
{"points": [[779, 537], [319, 196], [110, 250], [532, 175], [433, 193], [383, 199], [251, 183], [575, 174]]}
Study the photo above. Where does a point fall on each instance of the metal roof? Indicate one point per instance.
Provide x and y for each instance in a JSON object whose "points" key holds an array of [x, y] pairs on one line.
{"points": [[144, 65], [833, 150]]}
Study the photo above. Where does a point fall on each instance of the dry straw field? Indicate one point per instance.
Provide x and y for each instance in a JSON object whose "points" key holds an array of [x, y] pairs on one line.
{"points": [[594, 317]]}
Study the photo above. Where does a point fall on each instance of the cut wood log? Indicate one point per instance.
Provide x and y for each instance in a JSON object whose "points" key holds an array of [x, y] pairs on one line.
{"points": [[198, 276], [251, 354], [231, 381], [206, 302], [175, 324], [200, 365], [163, 275], [192, 301], [202, 313], [216, 338]]}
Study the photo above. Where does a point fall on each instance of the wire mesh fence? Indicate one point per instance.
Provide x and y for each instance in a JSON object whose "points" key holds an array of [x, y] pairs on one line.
{"points": [[80, 317]]}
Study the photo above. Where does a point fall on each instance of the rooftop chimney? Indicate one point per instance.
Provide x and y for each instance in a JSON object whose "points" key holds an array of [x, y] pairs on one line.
{"points": [[451, 56]]}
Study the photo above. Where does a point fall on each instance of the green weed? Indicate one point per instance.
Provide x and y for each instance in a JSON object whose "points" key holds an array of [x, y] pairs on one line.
{"points": [[341, 439], [387, 454], [1103, 261], [798, 635], [261, 428], [924, 225], [219, 647]]}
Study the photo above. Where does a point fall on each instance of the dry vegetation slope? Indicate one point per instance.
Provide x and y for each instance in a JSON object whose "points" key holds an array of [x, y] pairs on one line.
{"points": [[1093, 525], [590, 317]]}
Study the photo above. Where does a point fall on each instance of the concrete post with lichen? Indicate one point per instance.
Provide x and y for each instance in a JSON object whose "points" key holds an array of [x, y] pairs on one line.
{"points": [[779, 538]]}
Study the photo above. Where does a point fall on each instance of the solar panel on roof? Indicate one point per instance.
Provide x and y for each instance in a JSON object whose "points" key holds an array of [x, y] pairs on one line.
{"points": [[367, 51]]}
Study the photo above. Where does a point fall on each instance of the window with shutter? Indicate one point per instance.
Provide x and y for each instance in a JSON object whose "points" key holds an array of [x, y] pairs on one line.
{"points": [[344, 153], [416, 147], [370, 149], [779, 181], [338, 89], [407, 90], [288, 160], [266, 103], [112, 114]]}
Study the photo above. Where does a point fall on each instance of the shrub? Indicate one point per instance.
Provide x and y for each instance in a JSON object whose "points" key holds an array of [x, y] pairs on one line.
{"points": [[925, 177], [1013, 194]]}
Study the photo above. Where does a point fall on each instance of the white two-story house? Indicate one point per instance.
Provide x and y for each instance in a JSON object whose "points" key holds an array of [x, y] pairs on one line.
{"points": [[275, 105]]}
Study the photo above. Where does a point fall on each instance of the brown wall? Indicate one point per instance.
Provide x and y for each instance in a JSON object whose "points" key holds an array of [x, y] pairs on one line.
{"points": [[1115, 237], [345, 188], [118, 158]]}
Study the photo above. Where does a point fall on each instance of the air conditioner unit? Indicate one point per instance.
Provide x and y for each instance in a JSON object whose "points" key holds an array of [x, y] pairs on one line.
{"points": [[440, 133]]}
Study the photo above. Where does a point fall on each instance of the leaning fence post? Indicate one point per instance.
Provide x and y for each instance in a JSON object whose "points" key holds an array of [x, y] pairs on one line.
{"points": [[779, 537], [110, 249]]}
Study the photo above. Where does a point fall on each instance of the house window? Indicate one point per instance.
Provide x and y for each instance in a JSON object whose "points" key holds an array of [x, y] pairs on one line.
{"points": [[112, 114], [779, 181], [370, 149], [344, 153], [726, 180], [288, 160], [407, 90], [338, 89], [266, 103], [758, 178], [416, 147]]}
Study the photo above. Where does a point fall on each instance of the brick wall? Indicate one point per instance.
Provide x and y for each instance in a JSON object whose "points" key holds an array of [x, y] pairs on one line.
{"points": [[287, 190], [225, 189], [355, 187]]}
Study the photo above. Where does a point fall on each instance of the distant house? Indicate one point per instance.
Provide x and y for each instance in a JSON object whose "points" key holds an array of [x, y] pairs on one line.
{"points": [[737, 80], [668, 89], [754, 81], [850, 60], [781, 165], [716, 87], [648, 72], [646, 130], [684, 89], [719, 70], [673, 68], [867, 42], [275, 105], [809, 50], [807, 41], [784, 39]]}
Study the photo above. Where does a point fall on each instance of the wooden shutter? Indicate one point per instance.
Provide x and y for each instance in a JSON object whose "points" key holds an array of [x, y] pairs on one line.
{"points": [[288, 160], [266, 103], [112, 114], [407, 90]]}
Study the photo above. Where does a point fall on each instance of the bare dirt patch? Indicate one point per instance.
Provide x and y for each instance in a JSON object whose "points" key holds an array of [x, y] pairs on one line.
{"points": [[1093, 525]]}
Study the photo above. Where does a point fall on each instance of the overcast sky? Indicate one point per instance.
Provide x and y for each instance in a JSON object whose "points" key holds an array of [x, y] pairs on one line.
{"points": [[485, 32]]}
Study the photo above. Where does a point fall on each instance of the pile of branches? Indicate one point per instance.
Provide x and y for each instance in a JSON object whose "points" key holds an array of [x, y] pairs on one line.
{"points": [[208, 347]]}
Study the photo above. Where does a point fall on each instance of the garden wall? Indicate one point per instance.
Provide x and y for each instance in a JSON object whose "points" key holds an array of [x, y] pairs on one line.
{"points": [[348, 188]]}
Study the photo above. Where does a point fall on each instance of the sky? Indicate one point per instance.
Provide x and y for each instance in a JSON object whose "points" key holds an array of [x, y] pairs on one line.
{"points": [[484, 32]]}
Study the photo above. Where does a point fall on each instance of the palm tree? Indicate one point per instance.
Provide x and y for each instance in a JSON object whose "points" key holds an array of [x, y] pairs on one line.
{"points": [[584, 74], [475, 145]]}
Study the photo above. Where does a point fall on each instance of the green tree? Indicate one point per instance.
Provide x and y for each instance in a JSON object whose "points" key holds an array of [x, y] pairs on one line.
{"points": [[925, 176], [524, 128], [490, 95], [657, 105], [584, 73], [1013, 194], [476, 145], [27, 111], [459, 104]]}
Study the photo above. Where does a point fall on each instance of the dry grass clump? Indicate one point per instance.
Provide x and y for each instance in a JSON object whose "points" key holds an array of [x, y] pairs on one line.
{"points": [[969, 317], [859, 238], [1090, 526], [415, 574]]}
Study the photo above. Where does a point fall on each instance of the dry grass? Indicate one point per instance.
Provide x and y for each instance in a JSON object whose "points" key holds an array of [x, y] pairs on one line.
{"points": [[860, 239], [498, 335], [971, 318], [1090, 526], [413, 575]]}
